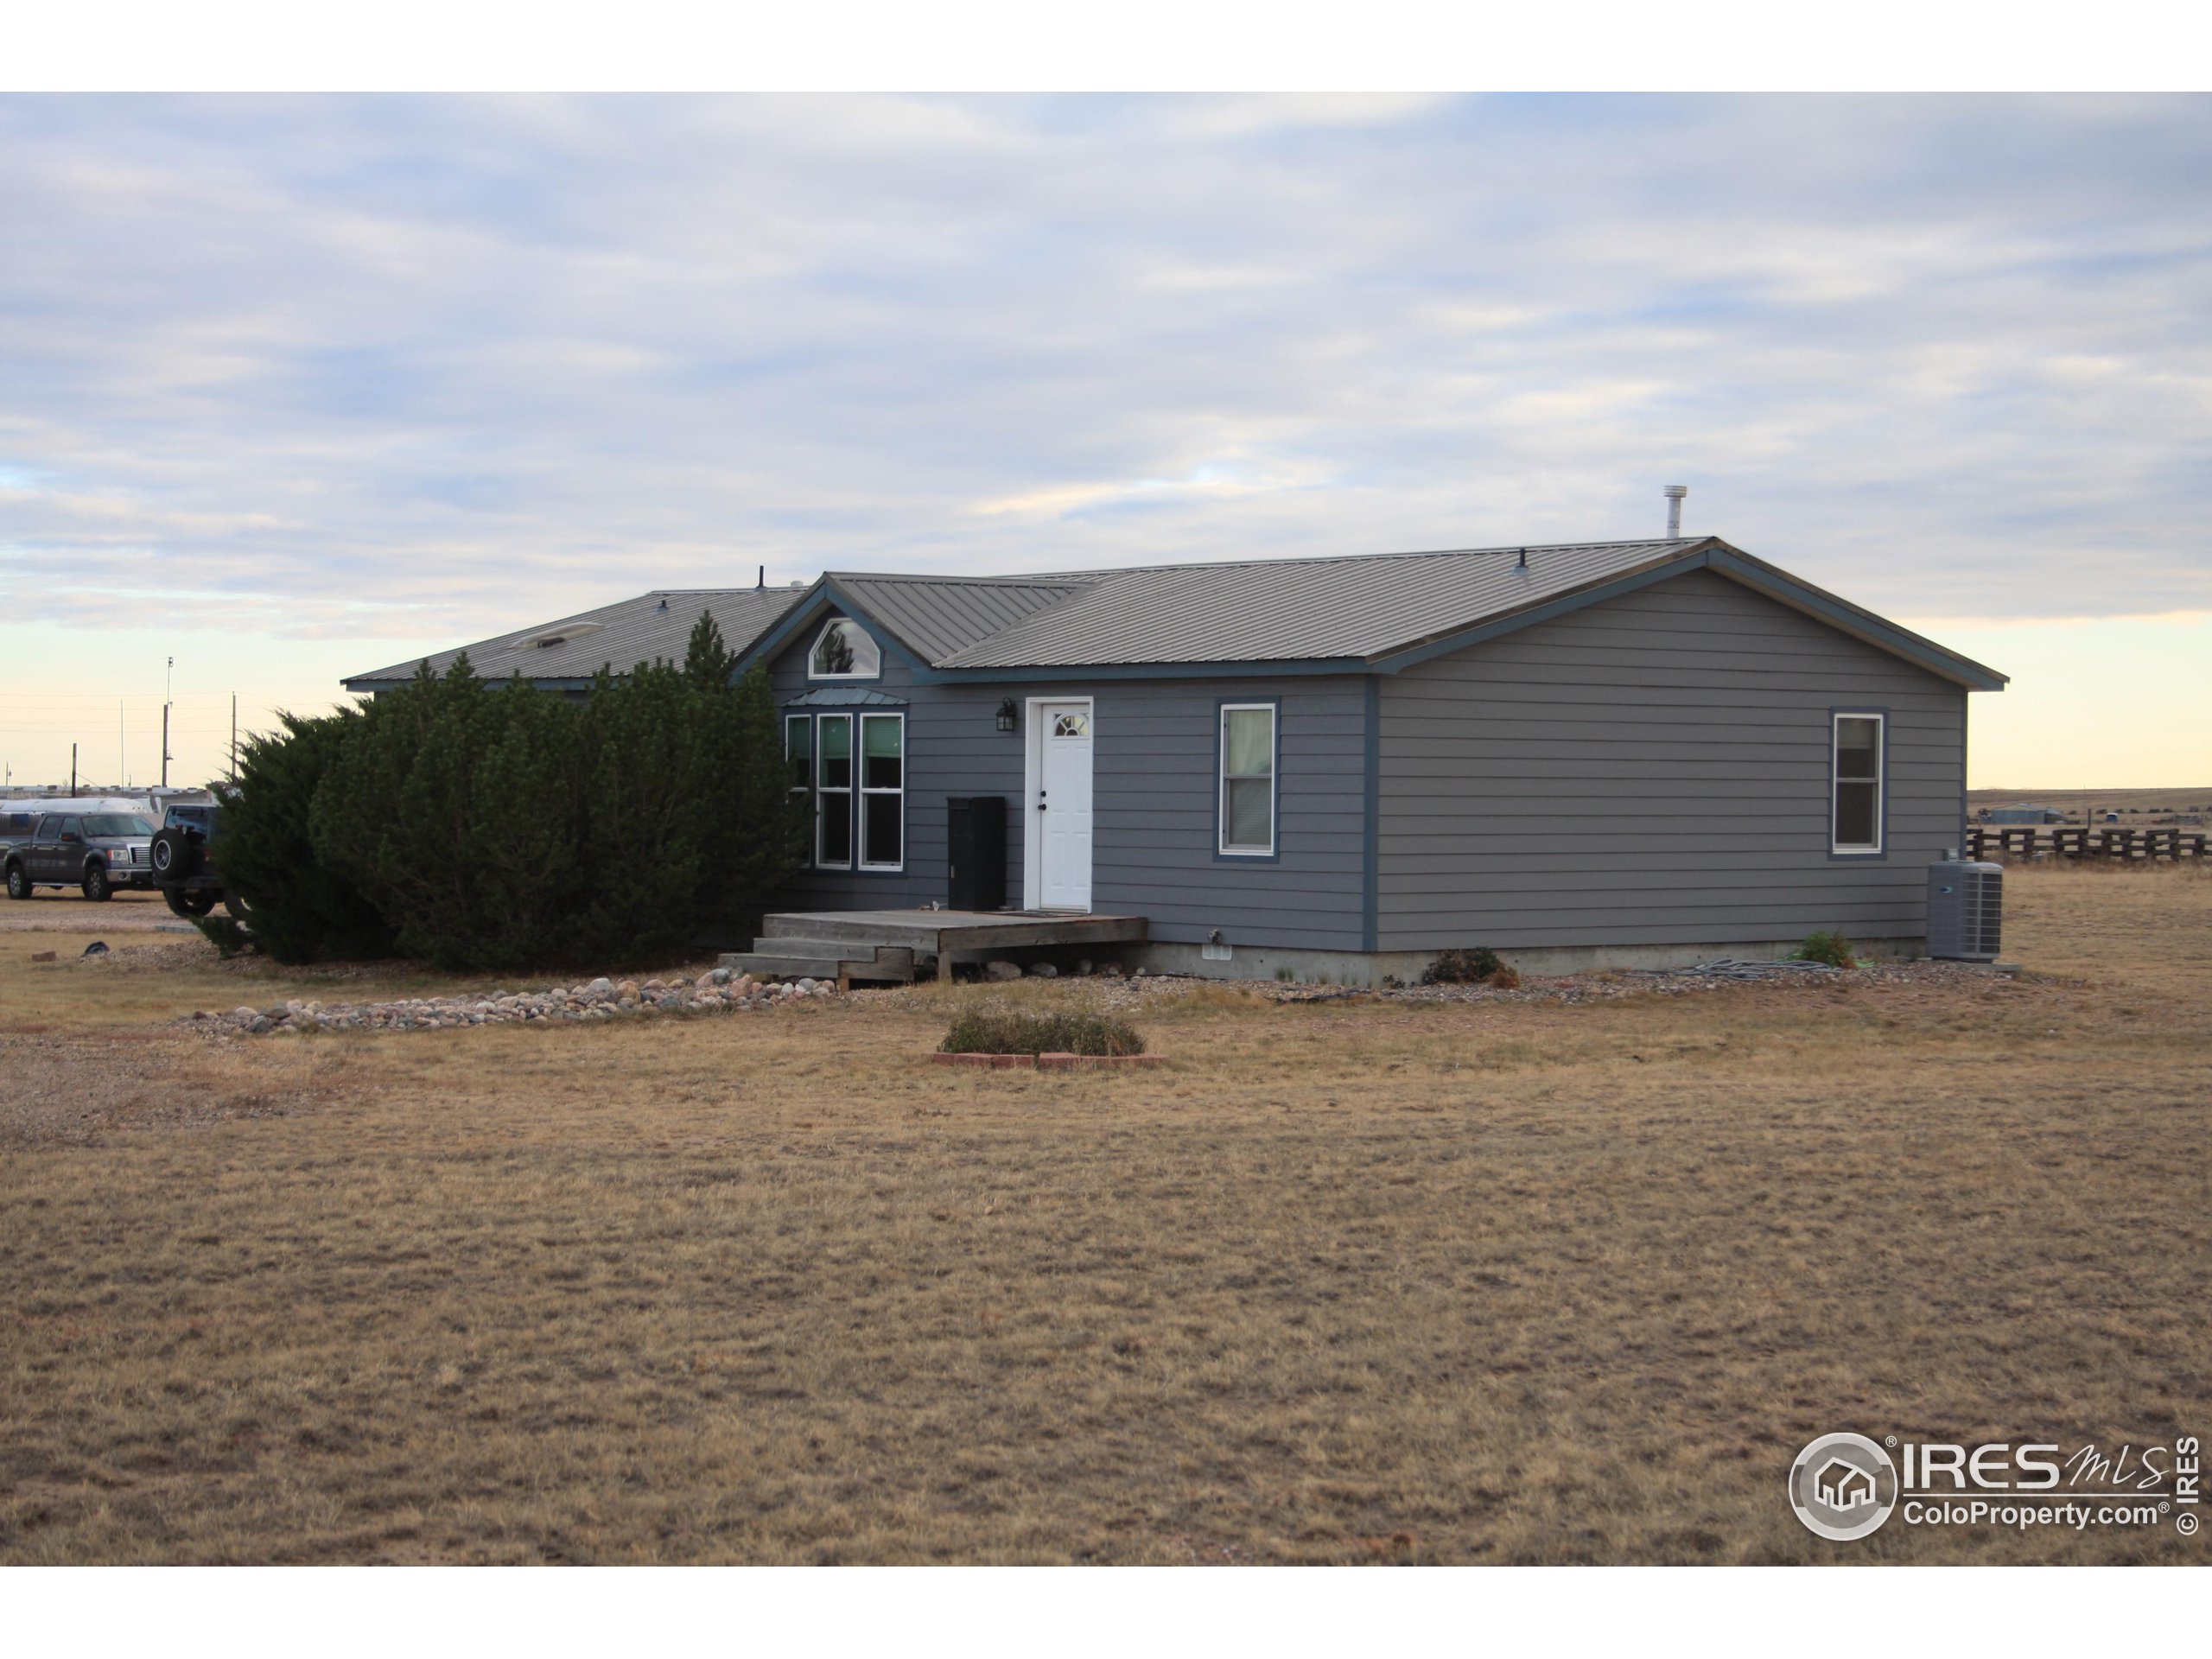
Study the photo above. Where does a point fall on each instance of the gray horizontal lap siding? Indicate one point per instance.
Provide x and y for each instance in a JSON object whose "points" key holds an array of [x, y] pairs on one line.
{"points": [[1153, 832], [1155, 762], [1654, 771]]}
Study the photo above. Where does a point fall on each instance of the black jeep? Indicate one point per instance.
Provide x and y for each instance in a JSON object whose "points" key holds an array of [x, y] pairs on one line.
{"points": [[183, 857]]}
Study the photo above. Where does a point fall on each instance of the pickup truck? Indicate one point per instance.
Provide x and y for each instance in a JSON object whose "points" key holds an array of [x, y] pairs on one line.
{"points": [[183, 857], [93, 852]]}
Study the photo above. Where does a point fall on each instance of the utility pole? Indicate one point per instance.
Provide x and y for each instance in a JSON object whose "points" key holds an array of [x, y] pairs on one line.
{"points": [[168, 676], [72, 768]]}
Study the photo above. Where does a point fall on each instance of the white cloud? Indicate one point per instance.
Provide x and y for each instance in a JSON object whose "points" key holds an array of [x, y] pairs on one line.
{"points": [[424, 369]]}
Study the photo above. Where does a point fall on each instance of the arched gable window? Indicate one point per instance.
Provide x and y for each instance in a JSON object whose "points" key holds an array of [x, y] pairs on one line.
{"points": [[842, 650]]}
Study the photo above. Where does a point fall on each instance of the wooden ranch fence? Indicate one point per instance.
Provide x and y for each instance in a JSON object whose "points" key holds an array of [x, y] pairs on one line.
{"points": [[2123, 846]]}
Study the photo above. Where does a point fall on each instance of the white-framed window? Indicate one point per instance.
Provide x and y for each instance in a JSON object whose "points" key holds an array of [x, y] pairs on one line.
{"points": [[1855, 799], [799, 754], [883, 791], [833, 792], [1248, 780], [842, 650]]}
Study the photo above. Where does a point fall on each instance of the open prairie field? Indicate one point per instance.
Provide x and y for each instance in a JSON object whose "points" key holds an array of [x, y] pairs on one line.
{"points": [[1343, 1282], [2081, 804]]}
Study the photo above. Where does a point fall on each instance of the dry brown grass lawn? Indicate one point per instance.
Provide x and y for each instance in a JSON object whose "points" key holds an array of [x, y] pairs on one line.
{"points": [[1342, 1282]]}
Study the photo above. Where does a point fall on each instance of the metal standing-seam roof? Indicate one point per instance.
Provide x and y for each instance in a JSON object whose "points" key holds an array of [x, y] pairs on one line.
{"points": [[621, 636], [1378, 610], [938, 616], [1364, 606]]}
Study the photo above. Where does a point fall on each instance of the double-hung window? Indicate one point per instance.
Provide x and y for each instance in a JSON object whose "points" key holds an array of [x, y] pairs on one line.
{"points": [[833, 792], [1246, 806], [883, 791], [798, 755], [828, 769], [1855, 802]]}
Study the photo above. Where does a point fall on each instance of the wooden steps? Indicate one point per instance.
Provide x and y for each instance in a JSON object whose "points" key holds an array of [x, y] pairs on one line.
{"points": [[884, 946]]}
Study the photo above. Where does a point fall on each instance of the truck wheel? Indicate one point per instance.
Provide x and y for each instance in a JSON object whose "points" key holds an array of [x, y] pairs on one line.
{"points": [[189, 904], [19, 882], [95, 884]]}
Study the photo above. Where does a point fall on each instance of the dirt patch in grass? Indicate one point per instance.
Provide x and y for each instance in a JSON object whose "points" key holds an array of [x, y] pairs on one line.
{"points": [[1343, 1282]]}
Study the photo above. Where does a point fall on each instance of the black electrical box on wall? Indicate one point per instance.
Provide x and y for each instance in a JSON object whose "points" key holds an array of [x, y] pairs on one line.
{"points": [[975, 860]]}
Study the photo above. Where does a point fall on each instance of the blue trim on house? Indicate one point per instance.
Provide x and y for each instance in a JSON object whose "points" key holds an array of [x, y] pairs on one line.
{"points": [[1850, 619], [1370, 890], [1221, 780], [1959, 850], [1881, 856], [770, 645], [377, 688], [1084, 673], [825, 599]]}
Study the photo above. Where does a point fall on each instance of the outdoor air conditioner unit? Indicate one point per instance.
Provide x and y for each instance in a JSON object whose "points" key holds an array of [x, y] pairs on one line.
{"points": [[1965, 909]]}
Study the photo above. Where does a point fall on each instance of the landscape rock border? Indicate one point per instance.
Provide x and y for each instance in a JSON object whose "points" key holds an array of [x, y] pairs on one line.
{"points": [[718, 991]]}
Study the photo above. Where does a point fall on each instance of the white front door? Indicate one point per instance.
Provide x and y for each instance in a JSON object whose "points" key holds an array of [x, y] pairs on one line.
{"points": [[1060, 814]]}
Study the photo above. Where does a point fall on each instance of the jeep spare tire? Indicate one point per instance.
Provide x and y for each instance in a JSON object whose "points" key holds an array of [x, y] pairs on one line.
{"points": [[175, 854]]}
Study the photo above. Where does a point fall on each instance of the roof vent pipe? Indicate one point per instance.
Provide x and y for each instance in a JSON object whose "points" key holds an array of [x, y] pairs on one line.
{"points": [[763, 582], [1674, 493]]}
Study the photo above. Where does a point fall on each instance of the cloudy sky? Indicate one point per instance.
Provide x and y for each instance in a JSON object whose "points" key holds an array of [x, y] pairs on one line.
{"points": [[292, 388]]}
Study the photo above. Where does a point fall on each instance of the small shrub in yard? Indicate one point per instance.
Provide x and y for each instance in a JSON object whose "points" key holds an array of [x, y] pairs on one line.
{"points": [[228, 938], [1465, 968], [1831, 948], [985, 1031]]}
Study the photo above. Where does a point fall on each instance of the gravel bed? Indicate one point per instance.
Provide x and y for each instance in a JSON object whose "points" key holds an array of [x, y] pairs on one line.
{"points": [[1664, 982], [1119, 992]]}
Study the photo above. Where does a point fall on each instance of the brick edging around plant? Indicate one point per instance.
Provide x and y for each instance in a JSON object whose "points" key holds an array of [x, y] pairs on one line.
{"points": [[1048, 1062]]}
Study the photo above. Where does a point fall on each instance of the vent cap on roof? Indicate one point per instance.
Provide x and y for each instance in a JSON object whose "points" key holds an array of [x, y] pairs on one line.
{"points": [[1674, 493]]}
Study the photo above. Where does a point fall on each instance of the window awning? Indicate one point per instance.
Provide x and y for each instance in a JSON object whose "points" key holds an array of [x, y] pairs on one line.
{"points": [[845, 696]]}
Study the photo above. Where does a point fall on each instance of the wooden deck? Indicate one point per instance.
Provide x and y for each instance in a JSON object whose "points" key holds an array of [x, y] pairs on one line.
{"points": [[888, 944]]}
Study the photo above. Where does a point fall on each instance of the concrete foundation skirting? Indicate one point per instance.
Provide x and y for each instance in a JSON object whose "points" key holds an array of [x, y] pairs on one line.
{"points": [[1364, 968]]}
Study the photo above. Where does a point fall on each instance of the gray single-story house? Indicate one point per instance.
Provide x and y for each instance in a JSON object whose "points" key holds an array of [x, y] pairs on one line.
{"points": [[1601, 753]]}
